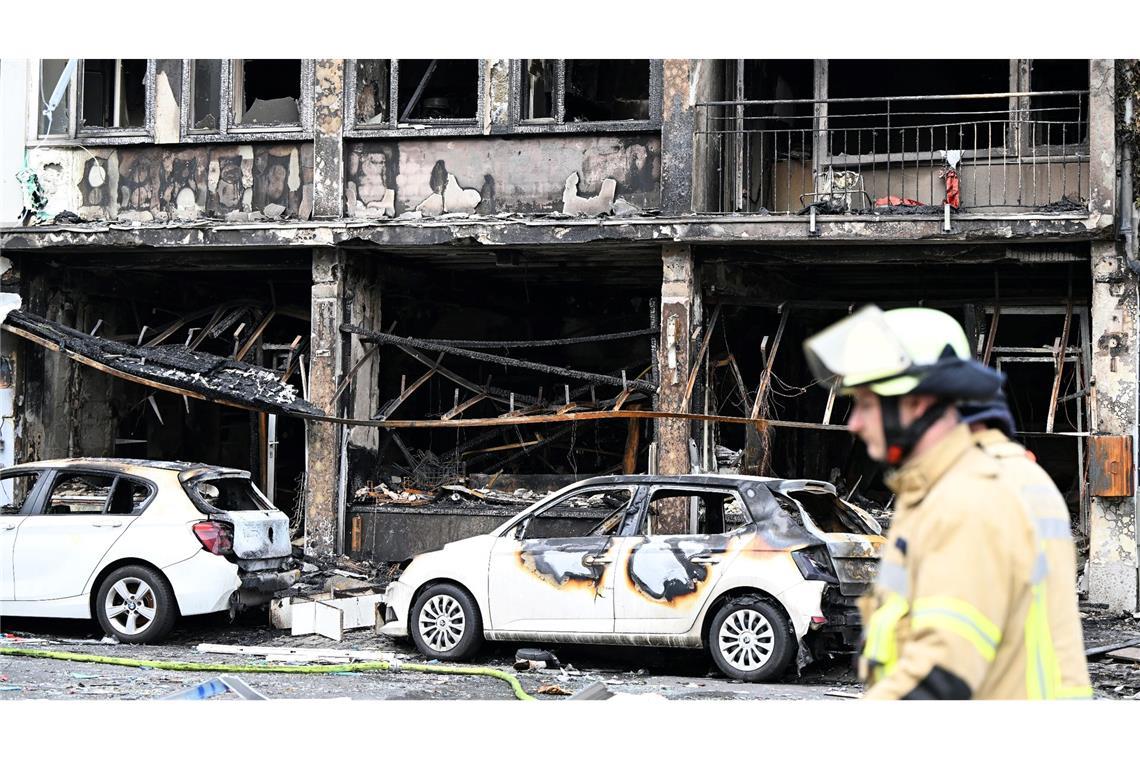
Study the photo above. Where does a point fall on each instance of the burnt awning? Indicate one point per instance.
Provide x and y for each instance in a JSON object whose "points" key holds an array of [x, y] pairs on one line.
{"points": [[176, 369]]}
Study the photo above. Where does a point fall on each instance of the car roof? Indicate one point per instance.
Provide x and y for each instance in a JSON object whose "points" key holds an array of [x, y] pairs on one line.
{"points": [[709, 479], [125, 465]]}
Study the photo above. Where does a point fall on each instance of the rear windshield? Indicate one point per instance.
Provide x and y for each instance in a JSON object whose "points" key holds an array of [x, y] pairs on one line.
{"points": [[227, 494]]}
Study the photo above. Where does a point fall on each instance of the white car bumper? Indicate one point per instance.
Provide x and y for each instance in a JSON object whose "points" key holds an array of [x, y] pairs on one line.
{"points": [[397, 600], [204, 583]]}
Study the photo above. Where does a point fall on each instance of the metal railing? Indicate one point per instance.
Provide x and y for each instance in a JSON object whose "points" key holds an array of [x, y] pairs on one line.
{"points": [[985, 152]]}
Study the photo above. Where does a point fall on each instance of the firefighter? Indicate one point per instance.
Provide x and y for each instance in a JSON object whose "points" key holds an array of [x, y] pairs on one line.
{"points": [[975, 596]]}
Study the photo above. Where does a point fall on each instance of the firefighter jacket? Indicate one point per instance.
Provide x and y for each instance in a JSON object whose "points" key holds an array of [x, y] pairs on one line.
{"points": [[975, 596]]}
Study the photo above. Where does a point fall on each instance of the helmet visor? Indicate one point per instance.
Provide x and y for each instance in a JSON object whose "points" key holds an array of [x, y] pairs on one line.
{"points": [[858, 350]]}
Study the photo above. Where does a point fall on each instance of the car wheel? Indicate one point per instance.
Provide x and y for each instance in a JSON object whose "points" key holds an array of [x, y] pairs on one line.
{"points": [[445, 623], [751, 640], [135, 605]]}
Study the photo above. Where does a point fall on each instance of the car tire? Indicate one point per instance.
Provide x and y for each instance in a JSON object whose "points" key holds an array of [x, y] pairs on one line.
{"points": [[751, 640], [445, 623], [127, 596]]}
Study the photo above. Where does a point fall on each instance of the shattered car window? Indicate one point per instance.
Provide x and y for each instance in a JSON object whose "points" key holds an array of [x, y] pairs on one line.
{"points": [[14, 490], [229, 494], [79, 494], [708, 512], [590, 513]]}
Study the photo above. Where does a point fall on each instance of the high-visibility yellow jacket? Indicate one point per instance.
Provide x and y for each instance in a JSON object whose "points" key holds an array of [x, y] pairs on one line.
{"points": [[976, 591]]}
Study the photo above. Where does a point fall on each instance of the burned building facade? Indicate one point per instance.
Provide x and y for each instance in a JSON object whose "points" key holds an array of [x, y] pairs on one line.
{"points": [[509, 274]]}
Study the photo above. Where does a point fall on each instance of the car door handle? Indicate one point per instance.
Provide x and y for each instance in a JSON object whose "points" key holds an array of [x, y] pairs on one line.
{"points": [[107, 525], [704, 559], [9, 527], [595, 559]]}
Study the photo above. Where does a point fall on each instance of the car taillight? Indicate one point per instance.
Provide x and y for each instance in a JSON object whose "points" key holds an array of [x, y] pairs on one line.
{"points": [[216, 538], [815, 564]]}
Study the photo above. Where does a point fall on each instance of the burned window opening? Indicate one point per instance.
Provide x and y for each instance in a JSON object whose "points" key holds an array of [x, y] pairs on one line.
{"points": [[1064, 118], [438, 90], [114, 93], [267, 92], [917, 125], [607, 90], [373, 91], [206, 95], [539, 91]]}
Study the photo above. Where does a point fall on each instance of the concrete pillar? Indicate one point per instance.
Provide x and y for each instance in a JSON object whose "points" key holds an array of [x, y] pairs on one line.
{"points": [[678, 112], [679, 306], [1112, 572], [497, 94], [1113, 552], [323, 439], [328, 143]]}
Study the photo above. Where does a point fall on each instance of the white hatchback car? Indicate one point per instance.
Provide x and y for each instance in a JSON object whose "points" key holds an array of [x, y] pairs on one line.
{"points": [[135, 544], [762, 571]]}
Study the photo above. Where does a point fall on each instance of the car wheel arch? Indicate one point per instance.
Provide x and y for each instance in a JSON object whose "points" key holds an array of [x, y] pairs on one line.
{"points": [[737, 594], [483, 614], [125, 562]]}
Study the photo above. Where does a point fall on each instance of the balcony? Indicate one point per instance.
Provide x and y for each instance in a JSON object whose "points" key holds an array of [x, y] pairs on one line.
{"points": [[1004, 153]]}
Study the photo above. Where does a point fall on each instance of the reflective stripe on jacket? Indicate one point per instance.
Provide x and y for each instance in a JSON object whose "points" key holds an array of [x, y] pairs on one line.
{"points": [[976, 585]]}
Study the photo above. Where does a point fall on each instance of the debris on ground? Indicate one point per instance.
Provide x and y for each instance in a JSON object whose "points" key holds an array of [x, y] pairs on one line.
{"points": [[552, 690], [535, 659]]}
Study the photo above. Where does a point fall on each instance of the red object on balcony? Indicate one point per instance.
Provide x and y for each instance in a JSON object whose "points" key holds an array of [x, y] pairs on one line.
{"points": [[894, 200], [952, 188]]}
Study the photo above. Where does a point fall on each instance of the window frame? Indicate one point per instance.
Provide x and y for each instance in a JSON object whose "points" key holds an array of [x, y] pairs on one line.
{"points": [[78, 134], [528, 126], [230, 131], [52, 475], [32, 498], [643, 520], [511, 530], [393, 127]]}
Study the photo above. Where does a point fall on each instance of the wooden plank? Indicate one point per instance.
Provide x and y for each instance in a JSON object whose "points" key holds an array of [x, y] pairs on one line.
{"points": [[357, 540], [406, 393], [1110, 465], [699, 358], [347, 379], [992, 336], [1059, 349], [465, 406], [632, 443], [255, 335], [766, 378]]}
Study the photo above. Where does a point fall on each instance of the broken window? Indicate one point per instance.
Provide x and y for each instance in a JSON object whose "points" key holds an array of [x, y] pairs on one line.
{"points": [[1062, 118], [97, 95], [267, 92], [114, 93], [58, 120], [128, 497], [710, 512], [14, 490], [79, 493], [228, 494], [438, 89], [585, 513], [206, 95], [373, 91], [581, 90], [870, 124]]}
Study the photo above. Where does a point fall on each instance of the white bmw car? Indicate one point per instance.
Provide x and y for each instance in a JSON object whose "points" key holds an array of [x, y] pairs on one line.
{"points": [[758, 572], [135, 544]]}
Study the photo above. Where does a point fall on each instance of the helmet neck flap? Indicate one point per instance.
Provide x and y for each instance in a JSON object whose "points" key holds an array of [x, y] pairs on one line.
{"points": [[900, 440]]}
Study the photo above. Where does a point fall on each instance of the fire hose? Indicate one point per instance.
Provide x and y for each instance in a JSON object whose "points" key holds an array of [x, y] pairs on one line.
{"points": [[356, 667]]}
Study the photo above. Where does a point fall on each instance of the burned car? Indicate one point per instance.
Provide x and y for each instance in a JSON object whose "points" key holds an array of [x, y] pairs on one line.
{"points": [[135, 544], [762, 571]]}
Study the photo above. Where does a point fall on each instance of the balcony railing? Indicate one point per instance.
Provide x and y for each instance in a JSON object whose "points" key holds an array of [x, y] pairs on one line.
{"points": [[984, 153]]}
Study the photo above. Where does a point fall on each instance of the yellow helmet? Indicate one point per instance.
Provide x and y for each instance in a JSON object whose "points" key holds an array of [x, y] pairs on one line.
{"points": [[898, 352]]}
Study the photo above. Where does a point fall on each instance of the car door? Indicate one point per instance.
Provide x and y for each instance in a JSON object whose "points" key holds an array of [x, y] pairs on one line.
{"points": [[17, 494], [554, 572], [60, 544], [666, 579]]}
